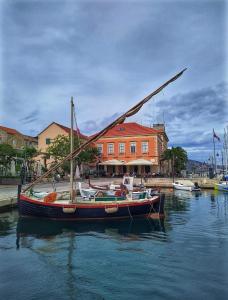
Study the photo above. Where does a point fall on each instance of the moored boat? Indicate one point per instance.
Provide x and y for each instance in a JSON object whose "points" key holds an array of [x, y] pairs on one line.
{"points": [[222, 186], [101, 206], [186, 186]]}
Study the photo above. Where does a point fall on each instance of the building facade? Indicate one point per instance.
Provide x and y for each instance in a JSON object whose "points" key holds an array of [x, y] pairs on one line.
{"points": [[47, 136], [16, 139], [132, 148]]}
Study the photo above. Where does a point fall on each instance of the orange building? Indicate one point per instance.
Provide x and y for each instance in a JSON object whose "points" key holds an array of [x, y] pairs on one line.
{"points": [[132, 148]]}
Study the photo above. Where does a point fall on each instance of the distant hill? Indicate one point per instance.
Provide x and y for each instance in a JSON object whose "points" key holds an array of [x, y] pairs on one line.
{"points": [[193, 165]]}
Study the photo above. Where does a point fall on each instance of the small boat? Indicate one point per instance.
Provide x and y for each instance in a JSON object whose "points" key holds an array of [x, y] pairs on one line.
{"points": [[102, 206], [66, 206], [186, 185], [222, 186]]}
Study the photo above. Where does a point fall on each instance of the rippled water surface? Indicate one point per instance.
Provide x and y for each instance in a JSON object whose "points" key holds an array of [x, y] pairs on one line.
{"points": [[184, 257]]}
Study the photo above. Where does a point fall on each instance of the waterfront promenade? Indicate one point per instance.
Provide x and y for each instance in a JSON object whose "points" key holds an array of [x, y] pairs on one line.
{"points": [[8, 193]]}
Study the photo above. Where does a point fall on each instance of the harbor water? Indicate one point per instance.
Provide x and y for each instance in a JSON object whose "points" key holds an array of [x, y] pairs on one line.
{"points": [[183, 257]]}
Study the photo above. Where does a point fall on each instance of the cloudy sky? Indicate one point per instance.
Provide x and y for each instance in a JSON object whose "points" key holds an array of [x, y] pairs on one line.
{"points": [[108, 55]]}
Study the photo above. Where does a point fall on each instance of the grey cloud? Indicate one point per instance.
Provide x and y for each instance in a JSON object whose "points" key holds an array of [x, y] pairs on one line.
{"points": [[91, 126], [110, 54], [31, 117], [191, 117]]}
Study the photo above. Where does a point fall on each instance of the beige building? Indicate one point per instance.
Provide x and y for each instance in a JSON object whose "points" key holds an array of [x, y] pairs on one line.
{"points": [[16, 139], [46, 137]]}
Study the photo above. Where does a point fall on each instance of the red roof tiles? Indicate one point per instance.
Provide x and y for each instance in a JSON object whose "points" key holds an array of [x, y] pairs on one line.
{"points": [[130, 129], [10, 130]]}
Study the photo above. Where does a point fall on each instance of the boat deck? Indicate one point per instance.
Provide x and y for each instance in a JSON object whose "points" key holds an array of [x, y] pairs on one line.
{"points": [[80, 200]]}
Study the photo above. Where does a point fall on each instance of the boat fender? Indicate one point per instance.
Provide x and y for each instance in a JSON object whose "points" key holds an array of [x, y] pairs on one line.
{"points": [[50, 197], [69, 210], [111, 210]]}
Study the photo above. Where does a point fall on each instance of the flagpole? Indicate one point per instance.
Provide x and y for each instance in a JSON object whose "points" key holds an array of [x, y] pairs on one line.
{"points": [[223, 171], [225, 146], [215, 166]]}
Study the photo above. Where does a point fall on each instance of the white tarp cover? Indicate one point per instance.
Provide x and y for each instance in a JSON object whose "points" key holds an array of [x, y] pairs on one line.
{"points": [[113, 162], [140, 162]]}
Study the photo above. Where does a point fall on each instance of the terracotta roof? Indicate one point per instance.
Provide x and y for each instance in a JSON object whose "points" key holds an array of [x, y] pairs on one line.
{"points": [[130, 129], [66, 129], [10, 130]]}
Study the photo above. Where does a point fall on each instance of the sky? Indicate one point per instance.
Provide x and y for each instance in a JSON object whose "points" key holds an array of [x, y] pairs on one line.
{"points": [[109, 55]]}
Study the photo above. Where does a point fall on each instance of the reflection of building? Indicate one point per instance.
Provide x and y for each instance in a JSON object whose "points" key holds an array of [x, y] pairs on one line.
{"points": [[16, 139], [132, 148], [46, 137]]}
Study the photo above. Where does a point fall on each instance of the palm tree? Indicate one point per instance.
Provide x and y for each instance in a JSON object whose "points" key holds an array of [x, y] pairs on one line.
{"points": [[178, 157]]}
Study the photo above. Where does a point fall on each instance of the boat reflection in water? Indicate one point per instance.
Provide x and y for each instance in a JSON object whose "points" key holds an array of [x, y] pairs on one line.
{"points": [[117, 229]]}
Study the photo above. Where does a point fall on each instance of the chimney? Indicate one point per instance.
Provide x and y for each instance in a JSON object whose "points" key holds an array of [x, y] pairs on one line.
{"points": [[159, 126]]}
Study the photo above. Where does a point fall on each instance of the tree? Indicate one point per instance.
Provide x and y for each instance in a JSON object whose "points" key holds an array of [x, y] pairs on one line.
{"points": [[60, 148], [29, 153], [7, 153], [178, 156]]}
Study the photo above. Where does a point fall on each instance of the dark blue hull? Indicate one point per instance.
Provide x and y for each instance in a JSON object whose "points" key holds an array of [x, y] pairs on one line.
{"points": [[29, 207]]}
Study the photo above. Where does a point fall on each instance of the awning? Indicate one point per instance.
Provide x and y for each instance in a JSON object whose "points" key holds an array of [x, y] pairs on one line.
{"points": [[113, 162], [139, 162]]}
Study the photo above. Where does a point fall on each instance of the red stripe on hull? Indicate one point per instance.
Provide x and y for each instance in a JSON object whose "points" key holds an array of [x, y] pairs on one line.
{"points": [[92, 205]]}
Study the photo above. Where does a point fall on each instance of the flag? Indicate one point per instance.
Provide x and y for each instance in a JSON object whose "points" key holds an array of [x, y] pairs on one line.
{"points": [[215, 136]]}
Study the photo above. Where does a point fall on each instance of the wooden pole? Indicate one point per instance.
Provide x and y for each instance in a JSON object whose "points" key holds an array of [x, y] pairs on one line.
{"points": [[71, 150]]}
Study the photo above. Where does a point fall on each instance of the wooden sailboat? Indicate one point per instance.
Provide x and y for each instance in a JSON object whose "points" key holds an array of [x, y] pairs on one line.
{"points": [[101, 206]]}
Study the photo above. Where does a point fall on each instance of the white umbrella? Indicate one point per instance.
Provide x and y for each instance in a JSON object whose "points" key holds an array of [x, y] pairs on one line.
{"points": [[77, 172]]}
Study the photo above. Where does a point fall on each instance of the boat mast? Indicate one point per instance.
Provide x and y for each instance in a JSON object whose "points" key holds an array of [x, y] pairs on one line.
{"points": [[215, 165], [225, 146], [132, 111], [71, 150]]}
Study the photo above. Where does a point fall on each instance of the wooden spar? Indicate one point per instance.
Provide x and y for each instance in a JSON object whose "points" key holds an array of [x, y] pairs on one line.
{"points": [[71, 150], [119, 120]]}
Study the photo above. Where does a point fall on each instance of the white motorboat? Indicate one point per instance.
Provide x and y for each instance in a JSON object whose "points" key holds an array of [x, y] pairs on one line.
{"points": [[222, 186], [186, 185]]}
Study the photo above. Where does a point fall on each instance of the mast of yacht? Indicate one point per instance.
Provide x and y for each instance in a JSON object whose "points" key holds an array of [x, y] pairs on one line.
{"points": [[72, 195], [225, 147]]}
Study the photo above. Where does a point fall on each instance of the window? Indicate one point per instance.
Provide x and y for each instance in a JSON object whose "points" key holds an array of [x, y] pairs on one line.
{"points": [[14, 142], [110, 148], [121, 147], [133, 147], [48, 141], [144, 147], [100, 148]]}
